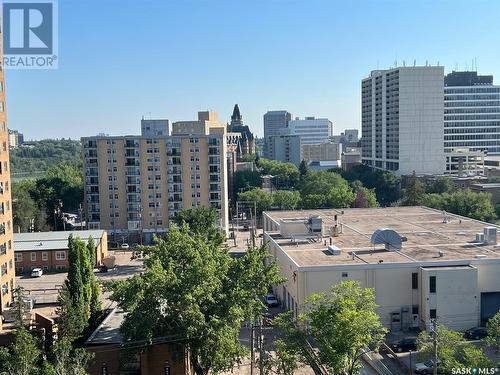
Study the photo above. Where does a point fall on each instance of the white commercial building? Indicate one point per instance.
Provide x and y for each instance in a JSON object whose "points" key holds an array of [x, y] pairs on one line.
{"points": [[471, 112], [311, 130], [422, 263], [402, 120]]}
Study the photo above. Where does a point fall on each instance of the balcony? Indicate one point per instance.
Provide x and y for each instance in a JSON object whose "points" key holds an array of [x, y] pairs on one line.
{"points": [[132, 163]]}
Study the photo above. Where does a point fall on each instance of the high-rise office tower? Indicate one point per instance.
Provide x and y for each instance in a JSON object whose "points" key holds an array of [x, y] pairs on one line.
{"points": [[471, 112], [7, 267], [274, 122], [311, 130], [135, 184], [402, 120]]}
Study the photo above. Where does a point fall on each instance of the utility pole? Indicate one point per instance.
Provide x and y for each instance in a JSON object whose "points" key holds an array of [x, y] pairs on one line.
{"points": [[434, 344], [252, 355], [261, 349]]}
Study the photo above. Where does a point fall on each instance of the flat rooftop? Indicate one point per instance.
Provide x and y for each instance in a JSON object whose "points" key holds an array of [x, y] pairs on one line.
{"points": [[35, 241], [108, 331], [429, 239]]}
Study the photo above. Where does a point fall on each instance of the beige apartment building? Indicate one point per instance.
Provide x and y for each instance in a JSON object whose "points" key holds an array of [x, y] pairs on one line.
{"points": [[135, 184], [7, 267], [423, 264]]}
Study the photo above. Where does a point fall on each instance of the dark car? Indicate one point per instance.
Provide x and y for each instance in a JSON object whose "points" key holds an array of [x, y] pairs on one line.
{"points": [[476, 333], [405, 345]]}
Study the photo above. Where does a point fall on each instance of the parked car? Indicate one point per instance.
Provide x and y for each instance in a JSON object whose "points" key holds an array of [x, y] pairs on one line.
{"points": [[36, 272], [405, 345], [271, 300], [426, 367], [476, 333], [125, 246]]}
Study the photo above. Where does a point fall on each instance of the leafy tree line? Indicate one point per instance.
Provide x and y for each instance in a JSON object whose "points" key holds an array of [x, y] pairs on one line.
{"points": [[79, 304], [359, 187], [42, 155], [437, 194], [34, 201]]}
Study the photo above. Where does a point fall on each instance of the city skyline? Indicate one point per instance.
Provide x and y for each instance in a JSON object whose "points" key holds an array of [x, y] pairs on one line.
{"points": [[306, 58]]}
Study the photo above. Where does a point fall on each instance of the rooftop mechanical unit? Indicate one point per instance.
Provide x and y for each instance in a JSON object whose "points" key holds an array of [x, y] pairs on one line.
{"points": [[389, 237]]}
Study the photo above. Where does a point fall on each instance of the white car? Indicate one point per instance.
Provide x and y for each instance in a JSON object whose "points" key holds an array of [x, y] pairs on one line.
{"points": [[426, 367], [125, 246], [36, 272], [271, 300]]}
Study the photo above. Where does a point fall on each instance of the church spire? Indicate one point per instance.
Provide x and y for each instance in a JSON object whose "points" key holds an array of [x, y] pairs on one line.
{"points": [[236, 117]]}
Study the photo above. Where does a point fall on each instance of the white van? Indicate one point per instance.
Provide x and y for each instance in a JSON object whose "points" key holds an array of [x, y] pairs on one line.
{"points": [[36, 272]]}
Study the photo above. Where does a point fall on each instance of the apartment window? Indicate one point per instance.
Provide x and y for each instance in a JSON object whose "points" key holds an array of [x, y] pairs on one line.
{"points": [[432, 284], [414, 309], [18, 257], [60, 255], [45, 268], [432, 313], [414, 280], [345, 274], [104, 370], [33, 257], [60, 268], [45, 256]]}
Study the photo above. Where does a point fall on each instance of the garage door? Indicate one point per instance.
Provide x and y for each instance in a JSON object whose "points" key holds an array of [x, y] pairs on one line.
{"points": [[490, 305]]}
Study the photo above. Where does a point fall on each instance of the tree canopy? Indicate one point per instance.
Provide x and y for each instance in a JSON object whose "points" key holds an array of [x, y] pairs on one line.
{"points": [[168, 299], [342, 322]]}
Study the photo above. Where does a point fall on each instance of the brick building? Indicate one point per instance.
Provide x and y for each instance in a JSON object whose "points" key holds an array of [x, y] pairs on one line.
{"points": [[156, 358], [49, 250]]}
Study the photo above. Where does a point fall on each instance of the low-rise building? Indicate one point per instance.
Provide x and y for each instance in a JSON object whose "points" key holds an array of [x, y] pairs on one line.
{"points": [[327, 151], [155, 356], [49, 250], [350, 158], [422, 263], [493, 188], [464, 162]]}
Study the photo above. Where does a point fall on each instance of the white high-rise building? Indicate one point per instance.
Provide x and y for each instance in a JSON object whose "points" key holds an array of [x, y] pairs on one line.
{"points": [[402, 120], [311, 130], [471, 112]]}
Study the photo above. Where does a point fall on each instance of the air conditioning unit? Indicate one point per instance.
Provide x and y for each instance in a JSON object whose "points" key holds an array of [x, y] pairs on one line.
{"points": [[490, 235]]}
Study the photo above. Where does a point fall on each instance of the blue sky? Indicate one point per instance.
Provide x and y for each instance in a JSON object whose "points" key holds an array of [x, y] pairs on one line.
{"points": [[119, 60]]}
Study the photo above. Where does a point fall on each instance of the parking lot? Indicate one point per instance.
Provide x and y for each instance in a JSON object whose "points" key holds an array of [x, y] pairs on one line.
{"points": [[45, 289]]}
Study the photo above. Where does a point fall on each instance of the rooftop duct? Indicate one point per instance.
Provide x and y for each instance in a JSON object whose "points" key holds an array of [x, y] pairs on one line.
{"points": [[389, 237]]}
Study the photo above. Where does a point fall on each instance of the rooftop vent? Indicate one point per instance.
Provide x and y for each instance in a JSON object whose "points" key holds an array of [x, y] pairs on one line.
{"points": [[389, 237], [480, 256], [490, 235], [334, 250]]}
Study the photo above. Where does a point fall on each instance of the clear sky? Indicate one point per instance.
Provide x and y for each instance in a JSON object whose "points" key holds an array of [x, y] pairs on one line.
{"points": [[120, 59]]}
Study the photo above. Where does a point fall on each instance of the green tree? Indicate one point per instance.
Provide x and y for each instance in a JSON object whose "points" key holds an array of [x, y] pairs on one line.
{"points": [[493, 327], [286, 175], [201, 221], [303, 169], [245, 180], [474, 205], [91, 250], [330, 185], [286, 200], [68, 360], [22, 315], [413, 194], [343, 323], [24, 208], [452, 350], [168, 299], [22, 357], [312, 201], [386, 184], [263, 199], [439, 185], [365, 198]]}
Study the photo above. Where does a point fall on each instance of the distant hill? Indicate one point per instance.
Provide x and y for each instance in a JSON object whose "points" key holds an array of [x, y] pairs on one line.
{"points": [[35, 157]]}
